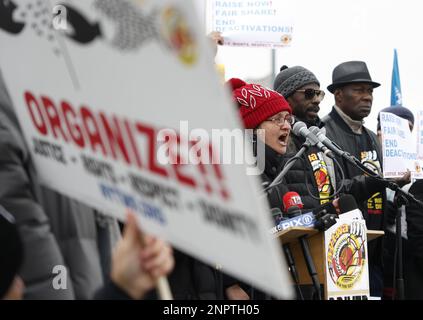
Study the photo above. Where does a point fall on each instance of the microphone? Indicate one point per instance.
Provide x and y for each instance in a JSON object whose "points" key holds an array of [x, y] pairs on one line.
{"points": [[321, 218], [294, 211], [300, 129], [325, 216], [277, 215], [347, 203], [290, 199], [330, 144]]}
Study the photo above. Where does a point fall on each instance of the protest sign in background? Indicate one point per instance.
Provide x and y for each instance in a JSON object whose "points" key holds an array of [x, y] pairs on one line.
{"points": [[418, 174], [420, 134], [248, 23], [399, 151]]}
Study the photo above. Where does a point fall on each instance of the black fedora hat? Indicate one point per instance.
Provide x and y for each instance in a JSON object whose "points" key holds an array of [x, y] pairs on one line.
{"points": [[351, 72]]}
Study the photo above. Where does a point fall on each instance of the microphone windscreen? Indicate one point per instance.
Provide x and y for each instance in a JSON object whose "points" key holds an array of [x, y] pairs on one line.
{"points": [[297, 127], [347, 203], [326, 208], [290, 199], [276, 212], [293, 211]]}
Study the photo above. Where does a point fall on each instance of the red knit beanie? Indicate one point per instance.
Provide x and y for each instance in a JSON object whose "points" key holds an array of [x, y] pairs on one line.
{"points": [[256, 103]]}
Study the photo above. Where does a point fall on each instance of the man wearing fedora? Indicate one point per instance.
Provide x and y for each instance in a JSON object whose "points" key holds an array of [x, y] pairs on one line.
{"points": [[352, 88]]}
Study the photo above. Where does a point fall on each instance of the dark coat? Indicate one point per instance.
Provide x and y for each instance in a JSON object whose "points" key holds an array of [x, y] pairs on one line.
{"points": [[273, 166], [412, 248], [338, 131], [192, 279]]}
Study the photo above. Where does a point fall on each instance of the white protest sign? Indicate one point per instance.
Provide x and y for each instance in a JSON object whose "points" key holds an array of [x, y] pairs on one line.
{"points": [[92, 98], [420, 134], [249, 23], [399, 154], [346, 263], [418, 174]]}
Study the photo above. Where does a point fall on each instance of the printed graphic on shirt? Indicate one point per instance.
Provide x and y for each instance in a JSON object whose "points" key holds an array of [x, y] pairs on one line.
{"points": [[370, 160], [321, 175]]}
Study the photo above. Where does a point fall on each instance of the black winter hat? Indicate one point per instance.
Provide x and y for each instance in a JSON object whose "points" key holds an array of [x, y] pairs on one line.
{"points": [[290, 79], [11, 251], [400, 111]]}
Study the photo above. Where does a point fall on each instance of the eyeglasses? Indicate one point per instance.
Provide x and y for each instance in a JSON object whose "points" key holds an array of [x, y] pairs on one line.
{"points": [[280, 120], [310, 93]]}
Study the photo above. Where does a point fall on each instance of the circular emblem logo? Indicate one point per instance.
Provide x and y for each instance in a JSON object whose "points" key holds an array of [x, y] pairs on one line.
{"points": [[418, 167], [286, 39], [307, 220], [178, 36], [346, 256]]}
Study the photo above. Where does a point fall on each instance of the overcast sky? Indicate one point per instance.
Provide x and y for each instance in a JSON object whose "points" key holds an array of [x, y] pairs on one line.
{"points": [[328, 32]]}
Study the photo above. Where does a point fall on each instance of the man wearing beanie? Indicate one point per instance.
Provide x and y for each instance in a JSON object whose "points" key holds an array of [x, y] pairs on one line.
{"points": [[301, 89]]}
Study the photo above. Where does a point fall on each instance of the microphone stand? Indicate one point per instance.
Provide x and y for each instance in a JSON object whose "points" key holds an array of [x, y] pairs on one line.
{"points": [[311, 267], [399, 201], [389, 184], [307, 144]]}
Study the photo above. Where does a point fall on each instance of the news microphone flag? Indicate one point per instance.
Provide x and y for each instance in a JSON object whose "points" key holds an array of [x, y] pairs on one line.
{"points": [[290, 199], [396, 95]]}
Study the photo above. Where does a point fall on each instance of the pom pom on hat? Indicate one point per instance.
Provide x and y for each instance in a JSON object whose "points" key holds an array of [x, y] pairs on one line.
{"points": [[235, 83]]}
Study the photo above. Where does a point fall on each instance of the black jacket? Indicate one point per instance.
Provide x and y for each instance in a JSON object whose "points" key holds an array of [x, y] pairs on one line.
{"points": [[338, 131], [412, 248], [192, 279], [414, 219], [273, 166]]}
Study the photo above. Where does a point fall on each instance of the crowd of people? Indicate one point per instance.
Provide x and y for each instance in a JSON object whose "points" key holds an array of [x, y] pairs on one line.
{"points": [[40, 228]]}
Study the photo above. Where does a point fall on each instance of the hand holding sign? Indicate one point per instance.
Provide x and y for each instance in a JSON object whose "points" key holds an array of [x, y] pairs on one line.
{"points": [[140, 261]]}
